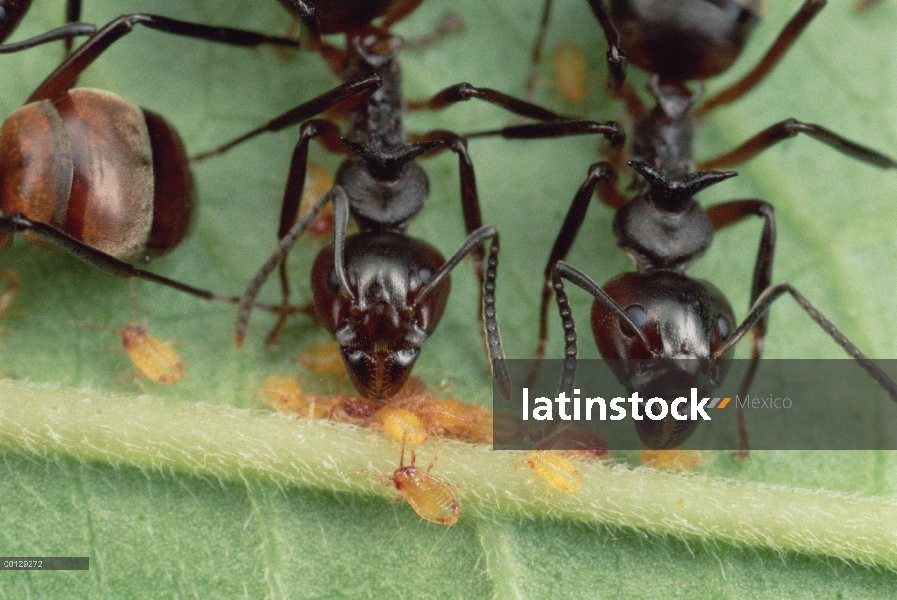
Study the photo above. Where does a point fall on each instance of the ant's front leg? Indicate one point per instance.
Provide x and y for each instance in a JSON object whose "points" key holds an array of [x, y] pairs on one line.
{"points": [[724, 215], [598, 173], [328, 134]]}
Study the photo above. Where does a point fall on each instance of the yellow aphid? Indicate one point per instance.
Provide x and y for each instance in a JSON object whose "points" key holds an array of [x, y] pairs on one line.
{"points": [[318, 182], [570, 71], [458, 420], [323, 358], [10, 282], [558, 472], [400, 424], [671, 460], [430, 498], [284, 394], [157, 360]]}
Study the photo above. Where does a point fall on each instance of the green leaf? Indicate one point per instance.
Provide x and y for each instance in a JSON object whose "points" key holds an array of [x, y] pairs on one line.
{"points": [[192, 495]]}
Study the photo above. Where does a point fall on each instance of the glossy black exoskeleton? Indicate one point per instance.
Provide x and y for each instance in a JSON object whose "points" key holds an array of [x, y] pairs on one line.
{"points": [[662, 331]]}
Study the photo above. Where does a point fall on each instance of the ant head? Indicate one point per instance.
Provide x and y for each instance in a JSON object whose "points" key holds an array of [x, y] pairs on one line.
{"points": [[682, 321], [685, 39], [385, 312]]}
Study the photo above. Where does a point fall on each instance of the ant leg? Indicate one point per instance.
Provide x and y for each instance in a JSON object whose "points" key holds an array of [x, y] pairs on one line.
{"points": [[762, 305], [790, 128], [106, 262], [789, 35], [572, 222], [72, 15], [66, 33], [303, 112], [341, 217], [616, 60], [536, 54], [464, 91], [553, 129], [470, 201], [723, 215], [292, 197], [65, 74]]}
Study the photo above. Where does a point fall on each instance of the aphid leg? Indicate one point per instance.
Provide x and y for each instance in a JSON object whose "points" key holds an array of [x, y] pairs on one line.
{"points": [[724, 215], [789, 35], [450, 24], [10, 283], [788, 129]]}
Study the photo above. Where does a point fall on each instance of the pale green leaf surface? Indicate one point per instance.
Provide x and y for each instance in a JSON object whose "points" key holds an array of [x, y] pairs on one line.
{"points": [[194, 500]]}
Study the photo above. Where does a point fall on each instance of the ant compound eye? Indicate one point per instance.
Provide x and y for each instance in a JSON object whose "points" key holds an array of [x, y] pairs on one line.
{"points": [[332, 281], [425, 275], [407, 356], [723, 326], [3, 17], [637, 315]]}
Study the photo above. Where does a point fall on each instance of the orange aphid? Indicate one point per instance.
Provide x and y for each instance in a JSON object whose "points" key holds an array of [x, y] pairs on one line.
{"points": [[155, 359], [558, 472], [400, 424], [318, 181], [323, 358], [458, 420], [284, 394], [570, 71], [10, 282], [430, 498], [671, 460]]}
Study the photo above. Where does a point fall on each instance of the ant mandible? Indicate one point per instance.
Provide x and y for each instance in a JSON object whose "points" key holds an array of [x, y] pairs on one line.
{"points": [[381, 292], [95, 175], [658, 313]]}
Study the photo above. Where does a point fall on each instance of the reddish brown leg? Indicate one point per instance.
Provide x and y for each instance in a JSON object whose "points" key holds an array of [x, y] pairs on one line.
{"points": [[724, 215], [788, 129], [785, 40], [65, 75]]}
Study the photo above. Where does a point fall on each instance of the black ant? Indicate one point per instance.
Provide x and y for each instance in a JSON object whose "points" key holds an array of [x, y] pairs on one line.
{"points": [[658, 313], [380, 292], [95, 175], [679, 42]]}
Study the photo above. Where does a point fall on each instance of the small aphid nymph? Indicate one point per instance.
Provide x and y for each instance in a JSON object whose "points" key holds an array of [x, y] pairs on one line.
{"points": [[558, 472], [430, 498], [400, 424], [154, 359]]}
